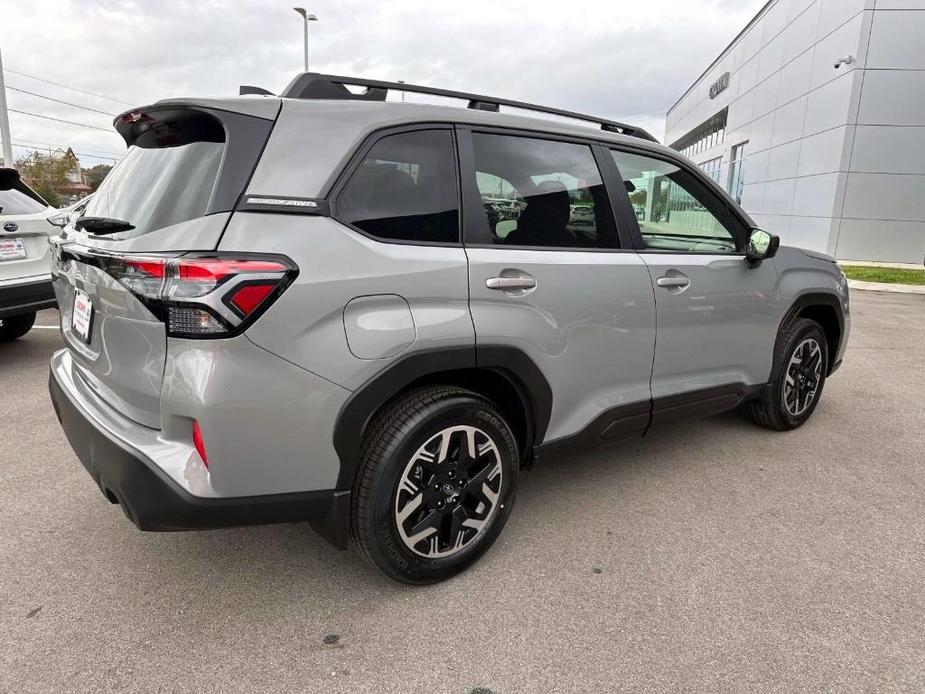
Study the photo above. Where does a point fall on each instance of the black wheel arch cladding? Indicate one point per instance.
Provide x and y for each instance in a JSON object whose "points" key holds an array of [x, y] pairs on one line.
{"points": [[826, 310], [503, 362]]}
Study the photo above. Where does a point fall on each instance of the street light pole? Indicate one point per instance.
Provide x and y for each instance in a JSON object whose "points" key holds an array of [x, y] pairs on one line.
{"points": [[5, 123], [306, 17]]}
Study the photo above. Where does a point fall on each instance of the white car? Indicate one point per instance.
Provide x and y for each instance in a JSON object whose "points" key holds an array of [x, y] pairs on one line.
{"points": [[25, 258], [70, 213]]}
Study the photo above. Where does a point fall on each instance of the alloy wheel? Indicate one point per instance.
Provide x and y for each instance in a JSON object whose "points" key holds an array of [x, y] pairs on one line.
{"points": [[804, 373], [448, 491]]}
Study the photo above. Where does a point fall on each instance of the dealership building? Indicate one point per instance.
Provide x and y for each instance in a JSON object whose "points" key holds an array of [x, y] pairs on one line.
{"points": [[814, 118]]}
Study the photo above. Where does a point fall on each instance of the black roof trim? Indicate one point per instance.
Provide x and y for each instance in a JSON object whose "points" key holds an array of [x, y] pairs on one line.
{"points": [[313, 85]]}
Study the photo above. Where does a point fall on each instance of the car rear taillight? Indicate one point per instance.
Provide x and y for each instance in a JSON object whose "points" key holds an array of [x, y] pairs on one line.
{"points": [[204, 296]]}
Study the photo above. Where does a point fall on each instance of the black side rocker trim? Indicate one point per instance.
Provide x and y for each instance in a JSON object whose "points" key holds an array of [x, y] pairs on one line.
{"points": [[702, 403], [153, 501], [638, 418]]}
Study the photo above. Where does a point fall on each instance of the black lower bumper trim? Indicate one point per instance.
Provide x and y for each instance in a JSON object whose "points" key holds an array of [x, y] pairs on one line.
{"points": [[25, 298], [153, 501]]}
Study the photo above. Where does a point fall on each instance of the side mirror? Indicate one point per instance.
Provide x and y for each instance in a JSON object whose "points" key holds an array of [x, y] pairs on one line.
{"points": [[761, 244]]}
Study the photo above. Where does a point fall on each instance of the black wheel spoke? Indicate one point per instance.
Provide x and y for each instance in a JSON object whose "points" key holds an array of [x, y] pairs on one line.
{"points": [[463, 457], [457, 517], [814, 361], [431, 519]]}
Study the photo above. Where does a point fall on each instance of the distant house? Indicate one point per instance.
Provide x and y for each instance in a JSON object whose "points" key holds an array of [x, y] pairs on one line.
{"points": [[75, 187]]}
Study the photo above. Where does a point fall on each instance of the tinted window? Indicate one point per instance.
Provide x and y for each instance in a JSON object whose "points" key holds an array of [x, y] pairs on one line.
{"points": [[405, 189], [15, 198], [159, 186], [675, 210], [542, 193]]}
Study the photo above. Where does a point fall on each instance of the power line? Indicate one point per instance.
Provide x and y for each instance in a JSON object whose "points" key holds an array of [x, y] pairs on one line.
{"points": [[42, 145], [91, 155], [60, 120], [67, 86], [60, 101]]}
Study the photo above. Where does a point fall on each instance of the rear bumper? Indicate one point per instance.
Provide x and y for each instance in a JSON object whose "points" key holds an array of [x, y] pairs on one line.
{"points": [[26, 297], [153, 501]]}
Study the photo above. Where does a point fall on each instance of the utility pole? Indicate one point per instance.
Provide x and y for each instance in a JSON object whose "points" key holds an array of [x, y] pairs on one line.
{"points": [[5, 122]]}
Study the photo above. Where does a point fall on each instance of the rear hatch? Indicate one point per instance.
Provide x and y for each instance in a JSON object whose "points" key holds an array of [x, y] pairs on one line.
{"points": [[24, 230], [117, 268]]}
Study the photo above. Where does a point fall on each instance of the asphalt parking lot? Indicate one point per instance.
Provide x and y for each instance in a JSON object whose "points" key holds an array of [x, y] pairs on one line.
{"points": [[714, 557]]}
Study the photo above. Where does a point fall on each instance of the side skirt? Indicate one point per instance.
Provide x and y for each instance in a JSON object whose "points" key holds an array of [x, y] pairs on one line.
{"points": [[637, 419]]}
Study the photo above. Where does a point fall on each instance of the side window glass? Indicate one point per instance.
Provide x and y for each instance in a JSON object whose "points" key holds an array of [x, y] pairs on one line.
{"points": [[542, 193], [676, 212], [503, 204], [405, 189]]}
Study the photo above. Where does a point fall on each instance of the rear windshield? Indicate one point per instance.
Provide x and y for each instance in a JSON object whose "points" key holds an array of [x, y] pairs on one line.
{"points": [[17, 198], [155, 187]]}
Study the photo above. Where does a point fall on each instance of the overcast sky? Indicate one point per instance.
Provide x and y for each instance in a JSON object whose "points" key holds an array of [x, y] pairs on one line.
{"points": [[624, 59]]}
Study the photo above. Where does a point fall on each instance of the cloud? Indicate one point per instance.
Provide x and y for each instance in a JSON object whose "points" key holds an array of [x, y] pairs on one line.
{"points": [[622, 59]]}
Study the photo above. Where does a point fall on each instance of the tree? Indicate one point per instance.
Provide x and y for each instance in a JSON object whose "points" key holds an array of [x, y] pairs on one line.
{"points": [[96, 174], [45, 173], [639, 197]]}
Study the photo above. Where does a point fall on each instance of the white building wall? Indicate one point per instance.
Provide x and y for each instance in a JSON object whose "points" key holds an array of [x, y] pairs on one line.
{"points": [[883, 215], [834, 156]]}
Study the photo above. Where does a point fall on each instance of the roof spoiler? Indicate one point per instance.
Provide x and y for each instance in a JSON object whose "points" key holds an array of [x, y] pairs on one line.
{"points": [[314, 85]]}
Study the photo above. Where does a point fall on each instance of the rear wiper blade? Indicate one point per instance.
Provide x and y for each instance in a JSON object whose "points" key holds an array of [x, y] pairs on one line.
{"points": [[101, 226]]}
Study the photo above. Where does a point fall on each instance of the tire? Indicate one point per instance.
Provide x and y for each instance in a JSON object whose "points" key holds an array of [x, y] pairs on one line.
{"points": [[414, 477], [14, 327], [788, 405]]}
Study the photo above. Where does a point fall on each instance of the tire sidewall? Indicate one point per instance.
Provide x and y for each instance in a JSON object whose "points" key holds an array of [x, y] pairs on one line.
{"points": [[382, 528], [14, 327]]}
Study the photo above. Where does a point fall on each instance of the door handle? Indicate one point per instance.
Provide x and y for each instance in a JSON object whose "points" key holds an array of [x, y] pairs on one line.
{"points": [[505, 283], [673, 281]]}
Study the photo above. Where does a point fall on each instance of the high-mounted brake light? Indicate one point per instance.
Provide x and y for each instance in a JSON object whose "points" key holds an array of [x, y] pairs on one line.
{"points": [[204, 296], [135, 117]]}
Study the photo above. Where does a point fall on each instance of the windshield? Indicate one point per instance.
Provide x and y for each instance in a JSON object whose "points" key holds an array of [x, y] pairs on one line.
{"points": [[155, 187], [16, 200]]}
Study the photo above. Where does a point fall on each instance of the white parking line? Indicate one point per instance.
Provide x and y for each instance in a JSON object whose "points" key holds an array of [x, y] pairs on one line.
{"points": [[45, 327]]}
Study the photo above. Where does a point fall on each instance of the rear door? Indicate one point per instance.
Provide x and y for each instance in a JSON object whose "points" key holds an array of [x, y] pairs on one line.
{"points": [[24, 231], [717, 315], [176, 187], [560, 288]]}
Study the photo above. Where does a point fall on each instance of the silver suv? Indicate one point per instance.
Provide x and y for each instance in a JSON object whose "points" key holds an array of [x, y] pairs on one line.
{"points": [[369, 315]]}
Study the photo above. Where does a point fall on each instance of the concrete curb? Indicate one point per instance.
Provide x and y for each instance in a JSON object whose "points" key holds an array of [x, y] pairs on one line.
{"points": [[874, 263], [885, 287]]}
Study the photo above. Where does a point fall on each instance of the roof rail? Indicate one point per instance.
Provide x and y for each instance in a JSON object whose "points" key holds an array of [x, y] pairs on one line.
{"points": [[313, 85]]}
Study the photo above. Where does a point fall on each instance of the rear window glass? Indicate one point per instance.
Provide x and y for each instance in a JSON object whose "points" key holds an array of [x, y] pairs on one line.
{"points": [[15, 198], [155, 187]]}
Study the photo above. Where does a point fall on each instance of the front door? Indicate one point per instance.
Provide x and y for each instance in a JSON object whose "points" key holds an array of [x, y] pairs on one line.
{"points": [[547, 274], [717, 316]]}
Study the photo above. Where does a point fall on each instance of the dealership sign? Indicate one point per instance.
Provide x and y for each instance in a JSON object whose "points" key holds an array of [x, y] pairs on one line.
{"points": [[719, 85]]}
